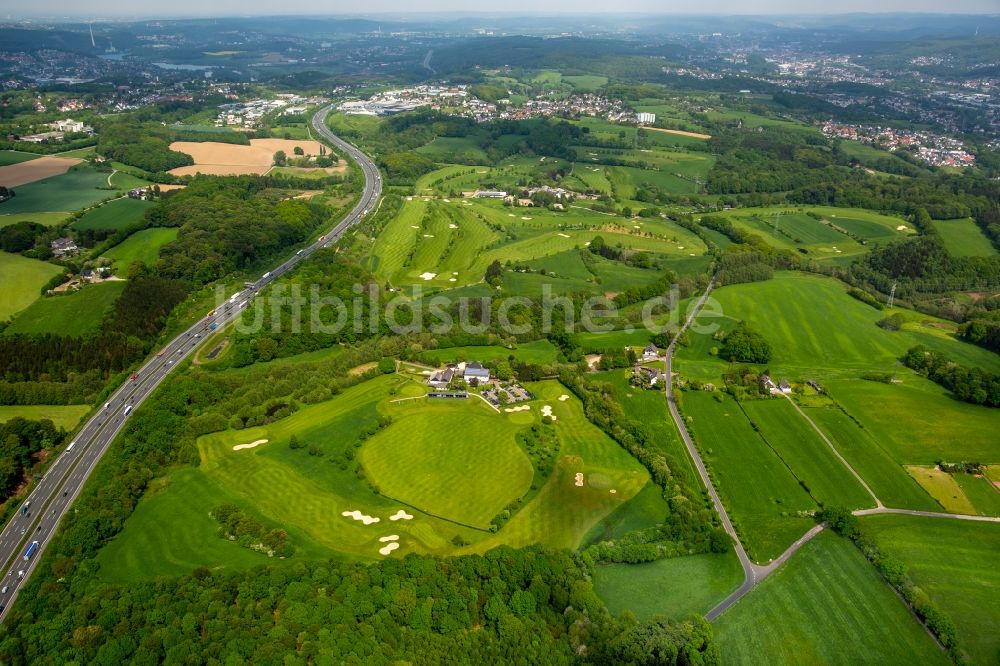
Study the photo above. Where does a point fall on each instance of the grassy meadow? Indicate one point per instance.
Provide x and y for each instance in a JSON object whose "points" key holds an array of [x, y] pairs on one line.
{"points": [[21, 281], [955, 564], [62, 416], [80, 312], [73, 190], [141, 246], [826, 605], [114, 215]]}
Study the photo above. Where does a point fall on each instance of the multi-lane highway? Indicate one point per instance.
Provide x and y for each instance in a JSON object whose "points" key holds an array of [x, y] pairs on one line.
{"points": [[42, 510]]}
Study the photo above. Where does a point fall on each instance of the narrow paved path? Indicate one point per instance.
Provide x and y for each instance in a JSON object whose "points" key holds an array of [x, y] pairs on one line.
{"points": [[878, 502], [753, 573], [926, 514]]}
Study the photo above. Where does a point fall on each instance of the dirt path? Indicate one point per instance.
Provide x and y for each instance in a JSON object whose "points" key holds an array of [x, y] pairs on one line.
{"points": [[695, 135]]}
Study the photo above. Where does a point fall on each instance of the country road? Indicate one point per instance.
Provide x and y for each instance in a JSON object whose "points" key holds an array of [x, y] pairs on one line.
{"points": [[752, 573], [51, 499]]}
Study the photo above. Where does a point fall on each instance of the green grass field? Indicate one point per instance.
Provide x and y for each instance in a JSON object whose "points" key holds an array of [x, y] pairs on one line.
{"points": [[47, 219], [454, 149], [63, 416], [675, 586], [73, 314], [459, 462], [586, 82], [21, 280], [73, 190], [762, 495], [962, 238], [114, 215], [955, 563], [942, 487], [826, 605], [141, 246], [8, 157], [538, 351], [917, 423], [869, 458], [806, 454]]}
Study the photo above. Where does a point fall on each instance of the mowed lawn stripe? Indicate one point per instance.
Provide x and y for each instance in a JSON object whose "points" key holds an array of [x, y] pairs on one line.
{"points": [[760, 493], [885, 476], [809, 457], [826, 605]]}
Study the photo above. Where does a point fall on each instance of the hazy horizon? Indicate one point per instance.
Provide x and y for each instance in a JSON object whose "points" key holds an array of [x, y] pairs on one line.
{"points": [[55, 9]]}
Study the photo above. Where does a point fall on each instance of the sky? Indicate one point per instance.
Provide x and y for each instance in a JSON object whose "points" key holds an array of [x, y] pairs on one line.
{"points": [[111, 8]]}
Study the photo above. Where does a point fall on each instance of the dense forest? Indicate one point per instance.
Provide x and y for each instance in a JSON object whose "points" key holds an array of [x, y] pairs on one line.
{"points": [[20, 440]]}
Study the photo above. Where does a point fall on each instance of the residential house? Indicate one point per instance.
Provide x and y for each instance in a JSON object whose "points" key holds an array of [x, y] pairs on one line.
{"points": [[784, 386], [768, 384], [650, 353], [64, 247], [441, 378]]}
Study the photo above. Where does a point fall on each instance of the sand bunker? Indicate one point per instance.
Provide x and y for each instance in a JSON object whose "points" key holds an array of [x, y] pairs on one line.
{"points": [[388, 548], [579, 480], [401, 515], [563, 398], [547, 411], [390, 537], [240, 447], [357, 515], [564, 235], [519, 408], [525, 218], [14, 175], [453, 226], [428, 276], [901, 227], [222, 159], [447, 200]]}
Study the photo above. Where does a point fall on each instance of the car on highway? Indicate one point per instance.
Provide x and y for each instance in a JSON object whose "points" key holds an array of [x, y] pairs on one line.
{"points": [[322, 238], [159, 353], [134, 377]]}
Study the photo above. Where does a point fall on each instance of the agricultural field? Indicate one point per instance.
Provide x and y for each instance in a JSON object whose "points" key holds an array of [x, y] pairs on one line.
{"points": [[13, 174], [114, 215], [223, 159], [963, 238], [45, 219], [78, 313], [675, 586], [958, 493], [464, 150], [62, 416], [141, 246], [826, 605], [767, 504], [917, 423], [816, 330], [886, 477], [21, 281], [8, 157], [306, 490], [806, 454], [538, 351], [70, 191], [955, 564]]}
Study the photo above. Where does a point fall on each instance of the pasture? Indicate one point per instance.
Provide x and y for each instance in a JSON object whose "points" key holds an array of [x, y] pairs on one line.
{"points": [[141, 246], [826, 605], [886, 477], [454, 149], [62, 416], [74, 314], [963, 238], [765, 501], [8, 157], [955, 564], [46, 219], [808, 457], [942, 487], [21, 281], [70, 191], [675, 586], [917, 423], [537, 351], [114, 215]]}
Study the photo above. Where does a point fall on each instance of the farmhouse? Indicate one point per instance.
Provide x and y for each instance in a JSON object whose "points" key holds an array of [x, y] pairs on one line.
{"points": [[784, 386], [645, 376], [650, 353], [64, 247], [767, 383], [441, 378]]}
